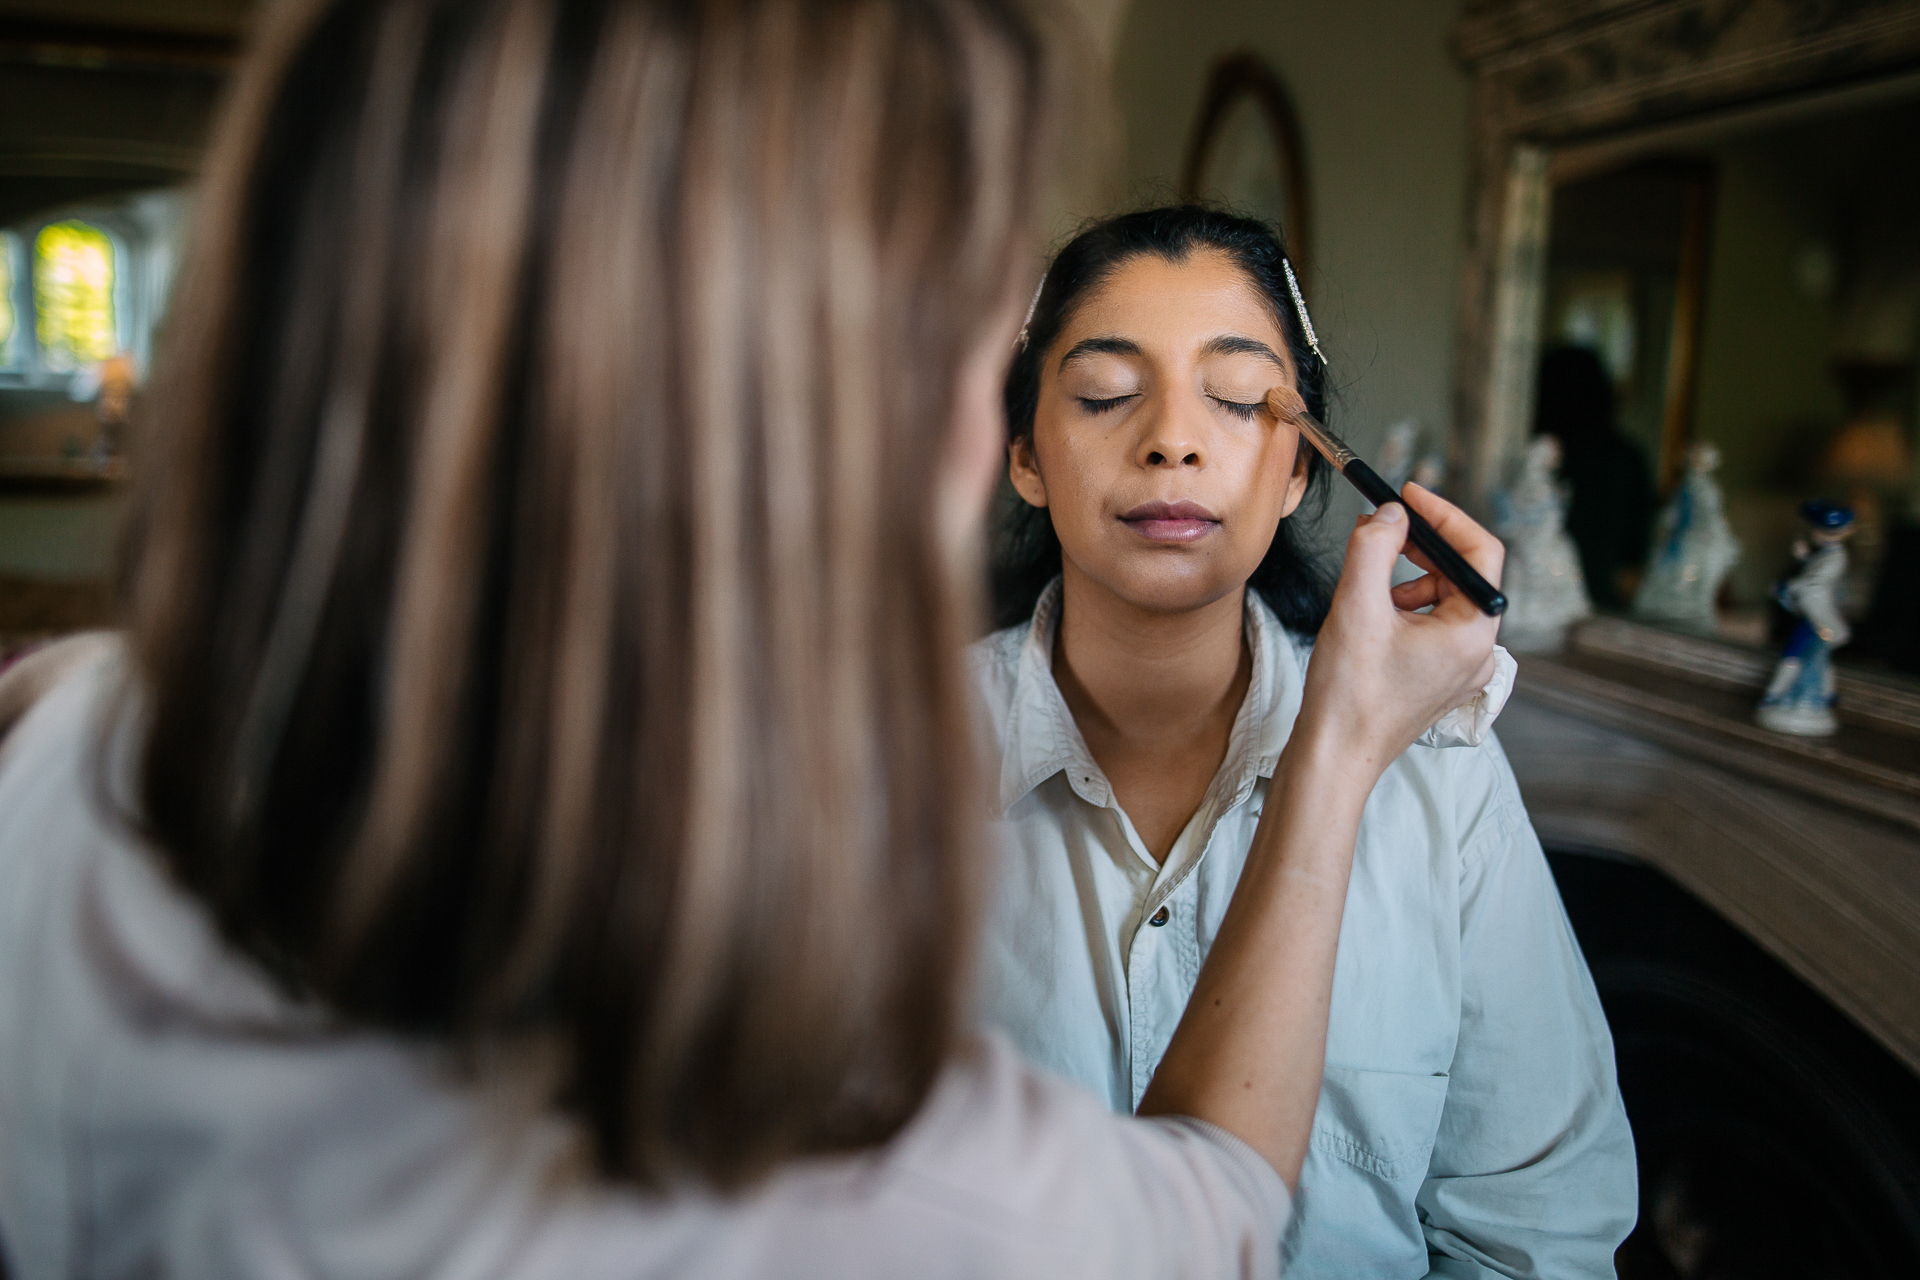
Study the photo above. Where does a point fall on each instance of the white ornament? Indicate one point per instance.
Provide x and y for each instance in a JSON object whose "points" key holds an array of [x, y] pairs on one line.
{"points": [[1694, 549], [1546, 593], [1395, 461]]}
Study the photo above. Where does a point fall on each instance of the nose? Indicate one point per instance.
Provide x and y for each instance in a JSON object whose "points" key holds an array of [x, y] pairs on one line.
{"points": [[1173, 435]]}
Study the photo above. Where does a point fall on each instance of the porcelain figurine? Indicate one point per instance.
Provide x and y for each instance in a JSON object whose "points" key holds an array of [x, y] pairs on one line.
{"points": [[1400, 459], [1545, 591], [1395, 461], [1430, 472], [1800, 697], [1694, 549]]}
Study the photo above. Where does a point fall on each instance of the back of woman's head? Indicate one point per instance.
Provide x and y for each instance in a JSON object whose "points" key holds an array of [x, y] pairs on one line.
{"points": [[1573, 397], [1026, 551], [536, 599]]}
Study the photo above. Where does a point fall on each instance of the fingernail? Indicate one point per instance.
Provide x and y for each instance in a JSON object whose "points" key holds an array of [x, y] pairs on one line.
{"points": [[1390, 513]]}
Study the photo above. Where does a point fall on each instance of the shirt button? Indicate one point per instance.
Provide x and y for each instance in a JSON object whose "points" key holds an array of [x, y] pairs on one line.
{"points": [[1160, 917]]}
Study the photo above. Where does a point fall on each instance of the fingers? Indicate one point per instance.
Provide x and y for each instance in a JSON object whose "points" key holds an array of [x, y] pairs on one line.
{"points": [[1373, 549], [1482, 550], [1418, 593]]}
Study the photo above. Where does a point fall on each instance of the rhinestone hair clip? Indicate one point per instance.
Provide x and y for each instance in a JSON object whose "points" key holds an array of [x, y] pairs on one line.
{"points": [[1020, 343], [1299, 306]]}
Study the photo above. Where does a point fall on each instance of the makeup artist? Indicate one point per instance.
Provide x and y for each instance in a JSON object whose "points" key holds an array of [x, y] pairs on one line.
{"points": [[1160, 603], [528, 826]]}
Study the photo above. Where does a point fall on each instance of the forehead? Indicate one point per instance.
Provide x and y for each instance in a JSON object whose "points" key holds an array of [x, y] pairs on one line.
{"points": [[1170, 308]]}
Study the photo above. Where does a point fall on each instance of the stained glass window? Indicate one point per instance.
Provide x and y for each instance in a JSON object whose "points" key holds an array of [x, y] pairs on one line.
{"points": [[73, 267], [6, 298]]}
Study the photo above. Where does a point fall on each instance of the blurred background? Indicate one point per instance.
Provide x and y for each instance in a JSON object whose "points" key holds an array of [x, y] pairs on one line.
{"points": [[1682, 236]]}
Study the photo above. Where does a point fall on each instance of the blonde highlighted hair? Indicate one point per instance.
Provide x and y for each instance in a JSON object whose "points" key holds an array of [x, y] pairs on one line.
{"points": [[535, 592]]}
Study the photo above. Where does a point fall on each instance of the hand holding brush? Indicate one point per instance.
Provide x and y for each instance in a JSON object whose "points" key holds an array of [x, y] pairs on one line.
{"points": [[1286, 405]]}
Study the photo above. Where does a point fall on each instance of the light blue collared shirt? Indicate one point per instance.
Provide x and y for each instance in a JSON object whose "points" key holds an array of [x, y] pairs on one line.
{"points": [[1470, 1123]]}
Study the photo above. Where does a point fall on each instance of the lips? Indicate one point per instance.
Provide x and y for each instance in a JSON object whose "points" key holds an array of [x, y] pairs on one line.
{"points": [[1171, 521]]}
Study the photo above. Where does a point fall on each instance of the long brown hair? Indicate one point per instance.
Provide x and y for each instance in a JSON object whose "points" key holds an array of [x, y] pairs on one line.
{"points": [[536, 599]]}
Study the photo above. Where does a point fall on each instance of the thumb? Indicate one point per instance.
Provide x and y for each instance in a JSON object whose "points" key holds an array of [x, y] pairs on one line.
{"points": [[1375, 547]]}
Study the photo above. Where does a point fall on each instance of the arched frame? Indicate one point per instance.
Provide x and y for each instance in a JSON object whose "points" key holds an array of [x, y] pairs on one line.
{"points": [[1240, 76]]}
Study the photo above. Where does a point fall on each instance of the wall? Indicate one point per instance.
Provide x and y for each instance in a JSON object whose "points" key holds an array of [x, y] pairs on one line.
{"points": [[1383, 114]]}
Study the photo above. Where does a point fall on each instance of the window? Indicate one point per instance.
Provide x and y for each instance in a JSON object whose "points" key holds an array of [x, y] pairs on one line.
{"points": [[82, 285], [73, 287], [9, 246]]}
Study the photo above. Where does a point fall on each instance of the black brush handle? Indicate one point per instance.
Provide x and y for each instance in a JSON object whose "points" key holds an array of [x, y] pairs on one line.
{"points": [[1452, 565]]}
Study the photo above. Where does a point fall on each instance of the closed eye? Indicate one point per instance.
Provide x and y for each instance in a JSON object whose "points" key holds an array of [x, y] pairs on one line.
{"points": [[1238, 409], [1104, 406]]}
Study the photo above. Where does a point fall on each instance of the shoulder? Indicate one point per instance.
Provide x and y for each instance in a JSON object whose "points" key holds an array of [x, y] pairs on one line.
{"points": [[1032, 1157], [63, 695], [1471, 791], [28, 678], [1005, 1172], [993, 669]]}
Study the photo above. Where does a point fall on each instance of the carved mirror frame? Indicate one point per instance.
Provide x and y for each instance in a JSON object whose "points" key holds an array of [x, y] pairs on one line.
{"points": [[1561, 87]]}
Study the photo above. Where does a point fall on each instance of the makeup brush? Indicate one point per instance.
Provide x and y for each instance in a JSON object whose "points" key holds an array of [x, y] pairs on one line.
{"points": [[1451, 564]]}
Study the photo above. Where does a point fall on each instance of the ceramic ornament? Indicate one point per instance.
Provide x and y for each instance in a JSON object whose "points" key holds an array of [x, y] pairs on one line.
{"points": [[1396, 458], [1546, 593], [1800, 697], [1694, 550]]}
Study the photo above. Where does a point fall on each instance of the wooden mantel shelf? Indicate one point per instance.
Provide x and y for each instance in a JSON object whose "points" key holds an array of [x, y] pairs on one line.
{"points": [[60, 475], [1635, 742], [1648, 690]]}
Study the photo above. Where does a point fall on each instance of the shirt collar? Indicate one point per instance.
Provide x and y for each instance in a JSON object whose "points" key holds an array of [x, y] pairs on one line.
{"points": [[1041, 738]]}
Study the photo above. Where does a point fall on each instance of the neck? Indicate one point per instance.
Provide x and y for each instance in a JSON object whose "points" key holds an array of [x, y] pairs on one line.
{"points": [[1147, 677]]}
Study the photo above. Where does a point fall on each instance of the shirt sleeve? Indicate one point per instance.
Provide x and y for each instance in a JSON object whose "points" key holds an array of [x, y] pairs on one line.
{"points": [[1533, 1172]]}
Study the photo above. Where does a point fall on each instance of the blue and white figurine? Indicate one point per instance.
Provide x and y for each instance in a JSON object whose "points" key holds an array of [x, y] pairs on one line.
{"points": [[1694, 550], [1800, 697]]}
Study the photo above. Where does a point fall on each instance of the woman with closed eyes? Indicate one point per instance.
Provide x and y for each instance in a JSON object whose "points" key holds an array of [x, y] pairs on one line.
{"points": [[1159, 607]]}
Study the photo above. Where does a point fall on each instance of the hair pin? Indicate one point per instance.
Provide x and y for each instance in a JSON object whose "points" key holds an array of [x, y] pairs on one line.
{"points": [[1299, 305], [1020, 343]]}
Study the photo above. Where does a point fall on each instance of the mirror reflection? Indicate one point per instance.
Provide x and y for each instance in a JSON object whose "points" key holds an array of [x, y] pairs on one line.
{"points": [[1728, 334]]}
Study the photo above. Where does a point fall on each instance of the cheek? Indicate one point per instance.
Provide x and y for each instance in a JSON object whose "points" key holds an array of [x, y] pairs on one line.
{"points": [[1078, 471], [1265, 471]]}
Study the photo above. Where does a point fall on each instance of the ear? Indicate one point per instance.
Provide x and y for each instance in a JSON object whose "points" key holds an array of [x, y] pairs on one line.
{"points": [[1024, 470], [1297, 482]]}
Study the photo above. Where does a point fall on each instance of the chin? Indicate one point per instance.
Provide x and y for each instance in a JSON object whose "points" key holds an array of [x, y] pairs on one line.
{"points": [[1165, 587]]}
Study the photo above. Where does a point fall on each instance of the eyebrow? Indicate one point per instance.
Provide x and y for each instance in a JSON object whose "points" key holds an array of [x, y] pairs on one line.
{"points": [[1227, 344], [1233, 344], [1100, 347]]}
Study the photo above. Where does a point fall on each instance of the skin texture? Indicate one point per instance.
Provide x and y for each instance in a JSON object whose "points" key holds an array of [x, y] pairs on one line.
{"points": [[1153, 393]]}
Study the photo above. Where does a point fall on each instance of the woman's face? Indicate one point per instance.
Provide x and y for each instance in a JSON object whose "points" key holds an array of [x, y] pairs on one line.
{"points": [[1152, 447]]}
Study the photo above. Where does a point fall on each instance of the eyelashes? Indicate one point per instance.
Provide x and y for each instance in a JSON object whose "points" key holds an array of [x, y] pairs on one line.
{"points": [[1239, 409]]}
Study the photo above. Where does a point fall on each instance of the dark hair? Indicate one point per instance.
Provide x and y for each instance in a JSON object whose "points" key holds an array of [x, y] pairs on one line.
{"points": [[1026, 551], [541, 625], [1573, 398]]}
